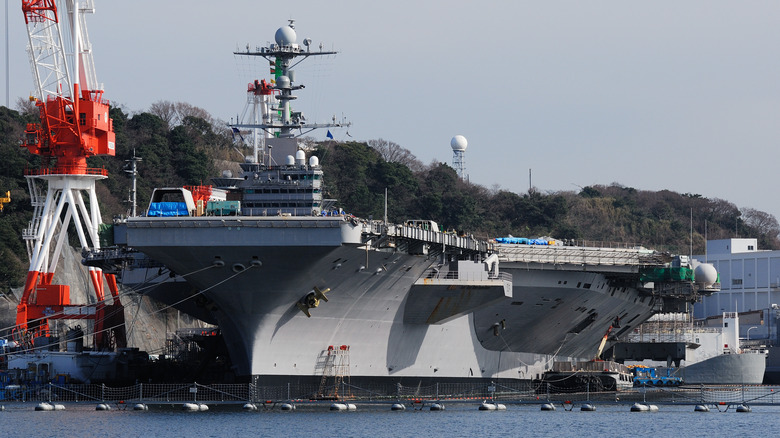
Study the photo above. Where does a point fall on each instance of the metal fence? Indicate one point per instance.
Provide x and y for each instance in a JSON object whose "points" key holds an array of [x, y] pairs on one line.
{"points": [[512, 392]]}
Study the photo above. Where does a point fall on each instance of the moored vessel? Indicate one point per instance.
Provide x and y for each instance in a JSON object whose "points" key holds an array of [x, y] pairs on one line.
{"points": [[304, 292], [697, 354]]}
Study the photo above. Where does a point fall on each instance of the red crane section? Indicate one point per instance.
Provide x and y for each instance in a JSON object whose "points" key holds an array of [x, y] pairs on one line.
{"points": [[72, 128]]}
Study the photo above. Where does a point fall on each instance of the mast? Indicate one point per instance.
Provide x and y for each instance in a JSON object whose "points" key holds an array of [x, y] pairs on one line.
{"points": [[133, 171], [280, 120]]}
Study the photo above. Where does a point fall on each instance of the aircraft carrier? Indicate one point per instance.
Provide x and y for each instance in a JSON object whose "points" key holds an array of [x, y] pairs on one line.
{"points": [[301, 290]]}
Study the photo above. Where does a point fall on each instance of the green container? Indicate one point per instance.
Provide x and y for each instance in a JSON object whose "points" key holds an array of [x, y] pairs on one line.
{"points": [[223, 208], [666, 274]]}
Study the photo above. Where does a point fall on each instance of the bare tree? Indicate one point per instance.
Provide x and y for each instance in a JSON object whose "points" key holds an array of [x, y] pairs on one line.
{"points": [[166, 110], [393, 153], [762, 222], [184, 110], [722, 208], [26, 106]]}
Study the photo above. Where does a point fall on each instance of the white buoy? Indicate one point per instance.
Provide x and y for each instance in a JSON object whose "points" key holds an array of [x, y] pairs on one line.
{"points": [[485, 406], [338, 407], [351, 407], [437, 407], [288, 407], [59, 407], [587, 407], [102, 407], [639, 407], [192, 407], [140, 407], [397, 407], [250, 407], [548, 407], [202, 407], [744, 408], [489, 406], [701, 408], [44, 407]]}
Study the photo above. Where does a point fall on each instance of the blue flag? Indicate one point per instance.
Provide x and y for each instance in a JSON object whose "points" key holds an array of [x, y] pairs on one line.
{"points": [[330, 136], [236, 131]]}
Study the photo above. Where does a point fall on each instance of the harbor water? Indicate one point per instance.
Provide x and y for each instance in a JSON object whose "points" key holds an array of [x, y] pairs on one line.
{"points": [[377, 420]]}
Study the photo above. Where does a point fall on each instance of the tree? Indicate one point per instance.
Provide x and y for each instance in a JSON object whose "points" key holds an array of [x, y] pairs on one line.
{"points": [[590, 192], [165, 110], [764, 224], [27, 107], [184, 110], [394, 153]]}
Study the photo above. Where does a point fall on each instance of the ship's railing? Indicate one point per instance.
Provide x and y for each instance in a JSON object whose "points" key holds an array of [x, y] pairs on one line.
{"points": [[66, 170], [668, 334], [444, 239], [236, 221], [505, 390], [434, 276], [602, 244]]}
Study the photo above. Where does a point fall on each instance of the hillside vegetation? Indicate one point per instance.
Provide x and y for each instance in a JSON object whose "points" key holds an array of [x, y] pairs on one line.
{"points": [[181, 144]]}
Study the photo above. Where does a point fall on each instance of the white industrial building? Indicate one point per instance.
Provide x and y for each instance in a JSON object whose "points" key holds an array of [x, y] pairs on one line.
{"points": [[750, 285]]}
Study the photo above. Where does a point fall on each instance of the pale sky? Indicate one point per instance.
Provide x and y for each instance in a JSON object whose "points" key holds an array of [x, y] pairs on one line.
{"points": [[652, 95]]}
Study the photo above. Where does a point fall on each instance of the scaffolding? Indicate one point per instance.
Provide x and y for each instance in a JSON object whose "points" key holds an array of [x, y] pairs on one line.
{"points": [[333, 363], [573, 255]]}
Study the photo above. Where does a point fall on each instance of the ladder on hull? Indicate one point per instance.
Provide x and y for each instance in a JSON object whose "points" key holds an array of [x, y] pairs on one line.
{"points": [[333, 363]]}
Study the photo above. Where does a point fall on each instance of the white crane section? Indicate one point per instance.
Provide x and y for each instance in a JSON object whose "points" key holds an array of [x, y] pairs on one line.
{"points": [[47, 54]]}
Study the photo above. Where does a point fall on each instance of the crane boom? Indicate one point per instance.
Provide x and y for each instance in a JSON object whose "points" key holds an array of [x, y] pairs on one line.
{"points": [[46, 48]]}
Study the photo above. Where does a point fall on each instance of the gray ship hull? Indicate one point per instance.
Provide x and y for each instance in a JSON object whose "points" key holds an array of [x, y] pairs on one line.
{"points": [[251, 279], [726, 369]]}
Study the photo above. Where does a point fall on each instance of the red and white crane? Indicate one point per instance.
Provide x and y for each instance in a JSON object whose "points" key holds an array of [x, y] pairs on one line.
{"points": [[74, 125]]}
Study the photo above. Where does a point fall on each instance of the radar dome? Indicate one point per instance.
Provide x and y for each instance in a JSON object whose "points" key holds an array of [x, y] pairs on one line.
{"points": [[283, 82], [290, 160], [706, 273], [227, 174], [459, 143], [300, 157], [285, 36], [314, 161]]}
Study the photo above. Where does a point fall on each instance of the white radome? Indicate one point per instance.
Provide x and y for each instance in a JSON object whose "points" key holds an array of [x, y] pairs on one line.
{"points": [[706, 273], [459, 143], [285, 36]]}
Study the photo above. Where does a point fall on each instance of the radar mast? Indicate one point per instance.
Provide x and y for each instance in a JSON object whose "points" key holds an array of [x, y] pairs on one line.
{"points": [[270, 103]]}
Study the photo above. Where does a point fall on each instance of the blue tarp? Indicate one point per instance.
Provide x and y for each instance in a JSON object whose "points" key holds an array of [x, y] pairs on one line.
{"points": [[516, 240], [521, 241], [167, 209]]}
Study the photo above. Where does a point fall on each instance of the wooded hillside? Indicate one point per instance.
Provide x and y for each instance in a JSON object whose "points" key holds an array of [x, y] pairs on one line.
{"points": [[181, 144]]}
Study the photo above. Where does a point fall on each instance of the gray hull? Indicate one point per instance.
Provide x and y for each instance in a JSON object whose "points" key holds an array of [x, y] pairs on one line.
{"points": [[252, 277], [726, 369]]}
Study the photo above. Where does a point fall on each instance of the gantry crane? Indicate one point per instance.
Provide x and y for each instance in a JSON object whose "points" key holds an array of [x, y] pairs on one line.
{"points": [[74, 125]]}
